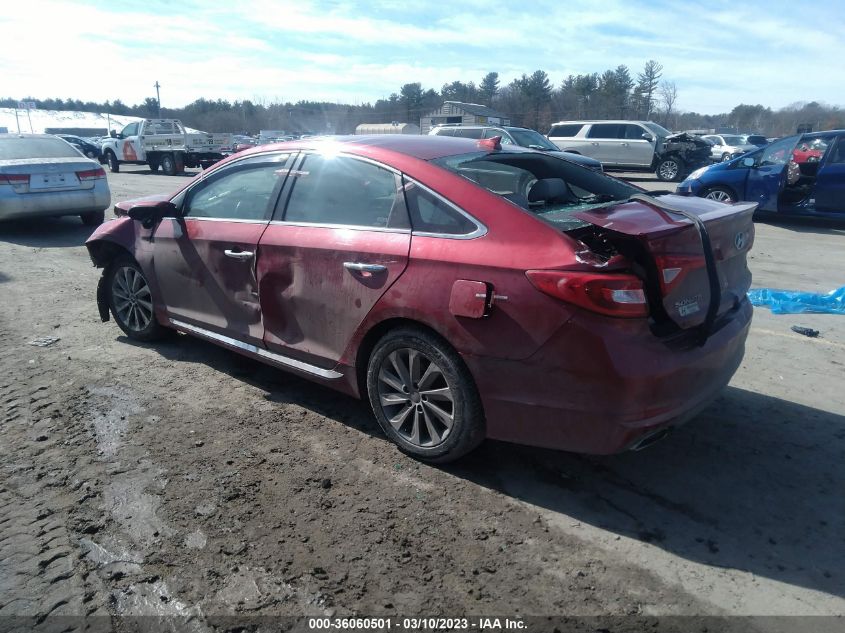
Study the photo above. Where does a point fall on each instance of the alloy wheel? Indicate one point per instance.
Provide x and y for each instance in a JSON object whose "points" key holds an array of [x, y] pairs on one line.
{"points": [[669, 170], [719, 195], [416, 398], [133, 302]]}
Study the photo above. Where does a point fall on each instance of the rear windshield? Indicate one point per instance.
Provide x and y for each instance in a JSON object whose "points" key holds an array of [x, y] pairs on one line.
{"points": [[542, 184], [569, 129], [532, 139], [15, 148]]}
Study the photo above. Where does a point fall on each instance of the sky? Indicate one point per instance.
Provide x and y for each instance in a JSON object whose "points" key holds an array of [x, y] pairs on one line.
{"points": [[719, 54]]}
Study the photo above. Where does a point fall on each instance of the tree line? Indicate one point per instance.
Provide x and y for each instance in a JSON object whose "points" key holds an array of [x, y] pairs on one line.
{"points": [[529, 100]]}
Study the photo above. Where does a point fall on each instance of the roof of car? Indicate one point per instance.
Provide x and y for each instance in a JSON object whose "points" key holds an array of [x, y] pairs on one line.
{"points": [[424, 147]]}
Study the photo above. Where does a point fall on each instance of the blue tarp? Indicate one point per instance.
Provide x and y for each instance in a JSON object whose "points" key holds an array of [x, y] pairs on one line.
{"points": [[794, 302]]}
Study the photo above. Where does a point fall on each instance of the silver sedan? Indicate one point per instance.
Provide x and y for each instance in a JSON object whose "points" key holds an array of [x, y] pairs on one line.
{"points": [[42, 175]]}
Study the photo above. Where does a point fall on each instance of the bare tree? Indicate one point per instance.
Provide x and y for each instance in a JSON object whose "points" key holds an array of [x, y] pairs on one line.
{"points": [[668, 97]]}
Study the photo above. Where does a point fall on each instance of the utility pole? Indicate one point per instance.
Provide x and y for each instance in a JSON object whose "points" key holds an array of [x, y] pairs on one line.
{"points": [[158, 97]]}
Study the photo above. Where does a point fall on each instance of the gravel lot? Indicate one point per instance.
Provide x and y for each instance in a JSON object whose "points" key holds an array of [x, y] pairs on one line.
{"points": [[181, 479]]}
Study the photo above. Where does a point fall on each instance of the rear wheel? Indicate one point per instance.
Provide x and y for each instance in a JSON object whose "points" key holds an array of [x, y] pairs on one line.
{"points": [[423, 396], [93, 218], [725, 157], [670, 169], [111, 159], [153, 164], [131, 301], [168, 164], [720, 194]]}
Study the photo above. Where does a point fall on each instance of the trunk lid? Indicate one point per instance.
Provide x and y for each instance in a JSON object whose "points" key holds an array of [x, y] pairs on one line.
{"points": [[668, 247], [48, 174]]}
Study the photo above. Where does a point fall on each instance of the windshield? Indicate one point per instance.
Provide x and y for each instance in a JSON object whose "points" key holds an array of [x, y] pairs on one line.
{"points": [[659, 130], [530, 138], [547, 186], [730, 139], [16, 148]]}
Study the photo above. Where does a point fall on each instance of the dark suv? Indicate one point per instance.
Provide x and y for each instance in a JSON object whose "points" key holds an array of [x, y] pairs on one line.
{"points": [[523, 136]]}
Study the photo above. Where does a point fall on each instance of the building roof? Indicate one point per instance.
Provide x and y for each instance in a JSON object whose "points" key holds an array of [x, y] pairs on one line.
{"points": [[477, 109]]}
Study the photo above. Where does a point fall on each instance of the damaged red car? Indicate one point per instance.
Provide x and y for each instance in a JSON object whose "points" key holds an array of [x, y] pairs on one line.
{"points": [[468, 290]]}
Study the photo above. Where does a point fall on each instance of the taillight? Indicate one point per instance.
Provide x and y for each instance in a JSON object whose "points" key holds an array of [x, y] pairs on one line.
{"points": [[615, 295], [673, 268], [91, 174], [14, 179]]}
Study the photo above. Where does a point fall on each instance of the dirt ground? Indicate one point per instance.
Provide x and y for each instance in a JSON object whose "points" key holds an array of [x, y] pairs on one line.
{"points": [[182, 479]]}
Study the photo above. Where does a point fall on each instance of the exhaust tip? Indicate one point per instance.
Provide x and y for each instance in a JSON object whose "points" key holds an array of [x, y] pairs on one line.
{"points": [[649, 438]]}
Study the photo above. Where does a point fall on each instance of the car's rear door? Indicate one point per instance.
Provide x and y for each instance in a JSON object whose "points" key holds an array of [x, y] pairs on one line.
{"points": [[338, 241], [830, 179], [603, 142], [205, 261]]}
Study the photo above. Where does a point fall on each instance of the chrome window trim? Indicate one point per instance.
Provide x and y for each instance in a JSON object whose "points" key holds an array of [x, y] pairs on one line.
{"points": [[480, 227], [284, 361], [353, 227]]}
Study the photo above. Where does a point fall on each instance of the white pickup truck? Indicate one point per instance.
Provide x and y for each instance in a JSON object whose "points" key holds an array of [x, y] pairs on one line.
{"points": [[163, 143]]}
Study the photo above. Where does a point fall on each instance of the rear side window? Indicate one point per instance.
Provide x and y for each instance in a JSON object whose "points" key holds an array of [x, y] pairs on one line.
{"points": [[565, 130], [606, 130], [343, 190], [430, 214]]}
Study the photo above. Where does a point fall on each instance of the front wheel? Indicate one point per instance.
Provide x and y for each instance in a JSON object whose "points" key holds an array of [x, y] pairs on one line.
{"points": [[423, 396], [131, 301], [111, 159], [726, 157], [670, 169], [720, 194]]}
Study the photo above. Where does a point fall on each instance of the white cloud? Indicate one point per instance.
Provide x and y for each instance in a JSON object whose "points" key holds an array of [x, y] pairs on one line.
{"points": [[719, 54]]}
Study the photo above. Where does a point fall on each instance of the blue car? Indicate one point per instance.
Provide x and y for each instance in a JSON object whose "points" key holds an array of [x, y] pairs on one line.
{"points": [[796, 175]]}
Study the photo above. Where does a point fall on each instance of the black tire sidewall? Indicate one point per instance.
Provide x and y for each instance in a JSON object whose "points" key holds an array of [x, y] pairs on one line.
{"points": [[168, 165], [111, 159], [154, 330], [468, 428]]}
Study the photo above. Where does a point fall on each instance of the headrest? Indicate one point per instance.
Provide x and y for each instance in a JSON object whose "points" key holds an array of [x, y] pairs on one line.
{"points": [[549, 190]]}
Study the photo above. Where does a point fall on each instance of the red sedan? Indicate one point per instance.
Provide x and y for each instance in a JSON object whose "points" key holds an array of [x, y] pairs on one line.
{"points": [[467, 289]]}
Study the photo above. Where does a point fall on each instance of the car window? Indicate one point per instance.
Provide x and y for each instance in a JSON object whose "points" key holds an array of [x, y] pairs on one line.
{"points": [[430, 214], [240, 192], [130, 130], [444, 131], [733, 140], [551, 188], [533, 139], [778, 153], [342, 190], [633, 132], [468, 132], [15, 148], [570, 129], [605, 130], [838, 153], [713, 139]]}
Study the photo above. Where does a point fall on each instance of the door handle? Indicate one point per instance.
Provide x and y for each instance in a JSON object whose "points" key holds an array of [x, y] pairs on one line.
{"points": [[239, 255], [364, 268], [594, 143], [624, 144]]}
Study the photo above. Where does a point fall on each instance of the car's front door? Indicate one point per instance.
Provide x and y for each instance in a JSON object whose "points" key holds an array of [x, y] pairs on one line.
{"points": [[767, 178], [205, 260], [128, 145], [340, 242], [830, 179]]}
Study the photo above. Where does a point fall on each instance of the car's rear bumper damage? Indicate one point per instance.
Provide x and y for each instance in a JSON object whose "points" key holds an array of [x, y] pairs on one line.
{"points": [[633, 387]]}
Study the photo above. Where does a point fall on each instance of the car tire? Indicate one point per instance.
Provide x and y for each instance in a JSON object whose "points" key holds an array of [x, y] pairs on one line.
{"points": [[131, 301], [726, 157], [93, 218], [168, 164], [423, 396], [111, 159], [153, 164], [670, 169], [719, 194]]}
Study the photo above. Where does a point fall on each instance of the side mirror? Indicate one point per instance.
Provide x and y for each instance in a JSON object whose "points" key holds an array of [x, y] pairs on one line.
{"points": [[648, 137], [149, 213], [748, 162], [113, 133]]}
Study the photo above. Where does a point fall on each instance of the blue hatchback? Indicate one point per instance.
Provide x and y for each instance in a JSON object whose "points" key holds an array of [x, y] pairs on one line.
{"points": [[797, 175]]}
